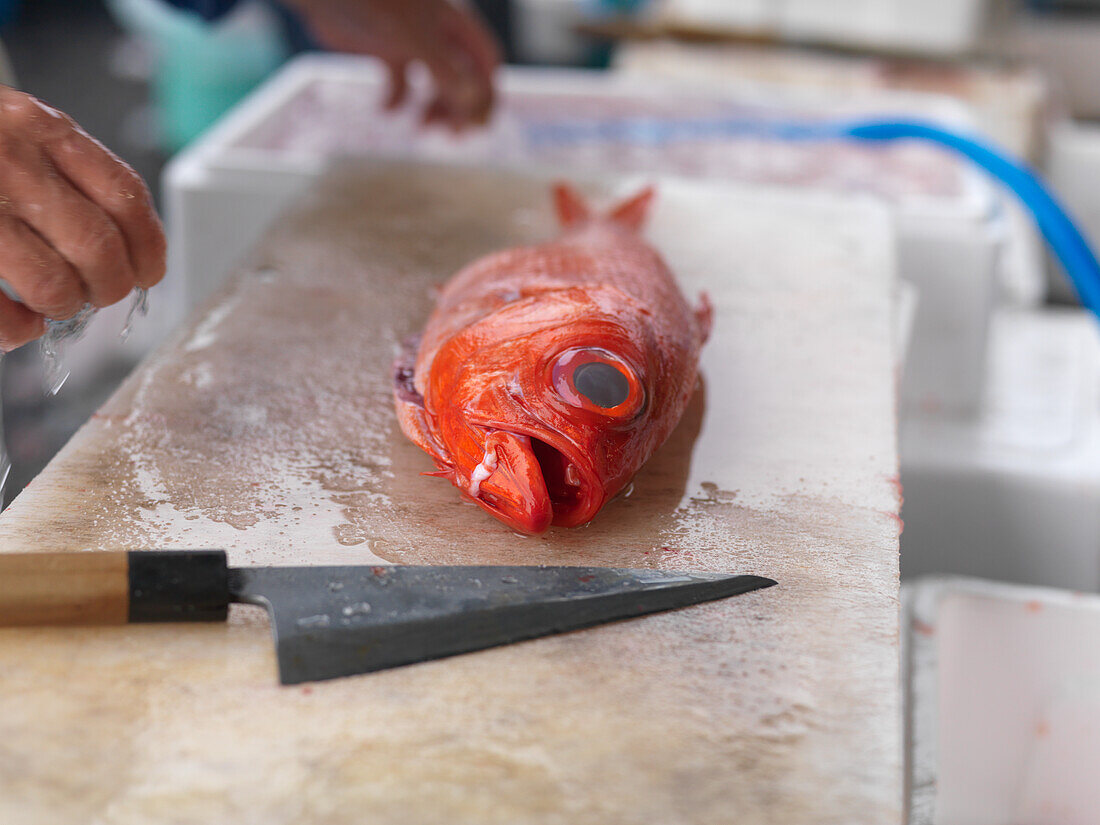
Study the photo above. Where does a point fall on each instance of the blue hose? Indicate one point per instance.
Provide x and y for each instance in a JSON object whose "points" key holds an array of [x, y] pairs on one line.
{"points": [[1055, 223], [1057, 226]]}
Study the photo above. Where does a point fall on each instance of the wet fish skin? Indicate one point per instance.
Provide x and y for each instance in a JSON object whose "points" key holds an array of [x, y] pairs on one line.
{"points": [[547, 375]]}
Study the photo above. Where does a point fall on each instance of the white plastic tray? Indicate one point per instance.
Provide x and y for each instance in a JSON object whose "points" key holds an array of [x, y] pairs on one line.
{"points": [[1003, 703], [931, 26], [1014, 492]]}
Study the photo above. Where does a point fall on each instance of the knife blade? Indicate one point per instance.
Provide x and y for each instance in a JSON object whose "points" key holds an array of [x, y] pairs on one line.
{"points": [[341, 621]]}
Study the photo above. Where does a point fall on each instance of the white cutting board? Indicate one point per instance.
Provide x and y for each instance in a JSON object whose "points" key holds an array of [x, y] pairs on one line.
{"points": [[265, 427]]}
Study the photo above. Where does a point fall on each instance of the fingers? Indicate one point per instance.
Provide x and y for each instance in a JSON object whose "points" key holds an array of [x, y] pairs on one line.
{"points": [[44, 281], [463, 95], [454, 84], [399, 83], [18, 324], [79, 230], [478, 47], [74, 211], [120, 193], [451, 41], [462, 57]]}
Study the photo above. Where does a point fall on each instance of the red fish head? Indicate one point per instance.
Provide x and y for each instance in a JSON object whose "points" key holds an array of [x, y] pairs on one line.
{"points": [[540, 421]]}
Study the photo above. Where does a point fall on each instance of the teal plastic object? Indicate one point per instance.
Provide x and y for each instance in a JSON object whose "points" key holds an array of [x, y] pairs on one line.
{"points": [[9, 9], [621, 6], [202, 69], [602, 51]]}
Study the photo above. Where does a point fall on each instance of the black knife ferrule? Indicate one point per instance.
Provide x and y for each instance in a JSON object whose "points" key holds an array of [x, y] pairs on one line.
{"points": [[178, 586]]}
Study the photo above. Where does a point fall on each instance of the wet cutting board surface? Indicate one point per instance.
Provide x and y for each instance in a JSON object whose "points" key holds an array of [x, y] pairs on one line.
{"points": [[266, 427]]}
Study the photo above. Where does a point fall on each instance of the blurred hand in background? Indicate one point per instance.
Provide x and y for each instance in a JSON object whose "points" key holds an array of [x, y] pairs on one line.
{"points": [[450, 40]]}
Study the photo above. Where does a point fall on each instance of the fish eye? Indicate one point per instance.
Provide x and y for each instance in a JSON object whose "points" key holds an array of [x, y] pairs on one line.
{"points": [[599, 381], [601, 384]]}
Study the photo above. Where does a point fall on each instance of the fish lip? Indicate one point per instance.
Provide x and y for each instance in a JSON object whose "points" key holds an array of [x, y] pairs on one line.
{"points": [[509, 483], [590, 480]]}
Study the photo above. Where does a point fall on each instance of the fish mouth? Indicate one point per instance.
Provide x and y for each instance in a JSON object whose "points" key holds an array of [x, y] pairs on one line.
{"points": [[566, 485], [529, 484]]}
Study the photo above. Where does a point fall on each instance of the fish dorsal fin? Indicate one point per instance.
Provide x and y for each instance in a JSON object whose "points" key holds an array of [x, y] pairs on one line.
{"points": [[572, 207], [574, 210], [632, 212]]}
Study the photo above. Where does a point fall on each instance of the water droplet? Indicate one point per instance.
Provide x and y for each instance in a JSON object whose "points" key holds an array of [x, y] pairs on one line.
{"points": [[335, 587], [360, 609], [53, 345], [138, 308], [5, 468], [60, 332], [349, 535], [509, 579]]}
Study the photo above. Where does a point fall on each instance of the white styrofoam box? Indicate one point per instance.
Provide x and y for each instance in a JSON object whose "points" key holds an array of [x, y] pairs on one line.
{"points": [[224, 190], [905, 311], [1010, 103], [1021, 275], [1002, 703], [957, 286], [761, 16], [1014, 492], [1073, 166], [927, 26]]}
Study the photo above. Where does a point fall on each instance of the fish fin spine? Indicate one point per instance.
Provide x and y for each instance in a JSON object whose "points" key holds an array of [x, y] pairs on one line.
{"points": [[704, 317], [632, 212], [573, 209], [571, 206], [447, 474], [413, 420]]}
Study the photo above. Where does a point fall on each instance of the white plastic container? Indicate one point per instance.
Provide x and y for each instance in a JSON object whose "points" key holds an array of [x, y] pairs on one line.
{"points": [[1010, 103], [1073, 166], [1002, 703], [224, 190], [758, 16], [929, 26], [1014, 492]]}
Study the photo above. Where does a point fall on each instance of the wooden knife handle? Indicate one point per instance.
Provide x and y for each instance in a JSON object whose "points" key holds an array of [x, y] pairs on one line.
{"points": [[113, 588]]}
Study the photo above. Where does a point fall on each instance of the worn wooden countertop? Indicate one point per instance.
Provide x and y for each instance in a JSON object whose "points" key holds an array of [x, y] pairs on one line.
{"points": [[266, 427]]}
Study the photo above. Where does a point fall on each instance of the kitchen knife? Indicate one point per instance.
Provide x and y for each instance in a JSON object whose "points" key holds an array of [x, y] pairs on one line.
{"points": [[340, 621]]}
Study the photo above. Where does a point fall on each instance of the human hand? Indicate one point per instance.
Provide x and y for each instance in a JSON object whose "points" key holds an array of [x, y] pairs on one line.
{"points": [[77, 225], [450, 40]]}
